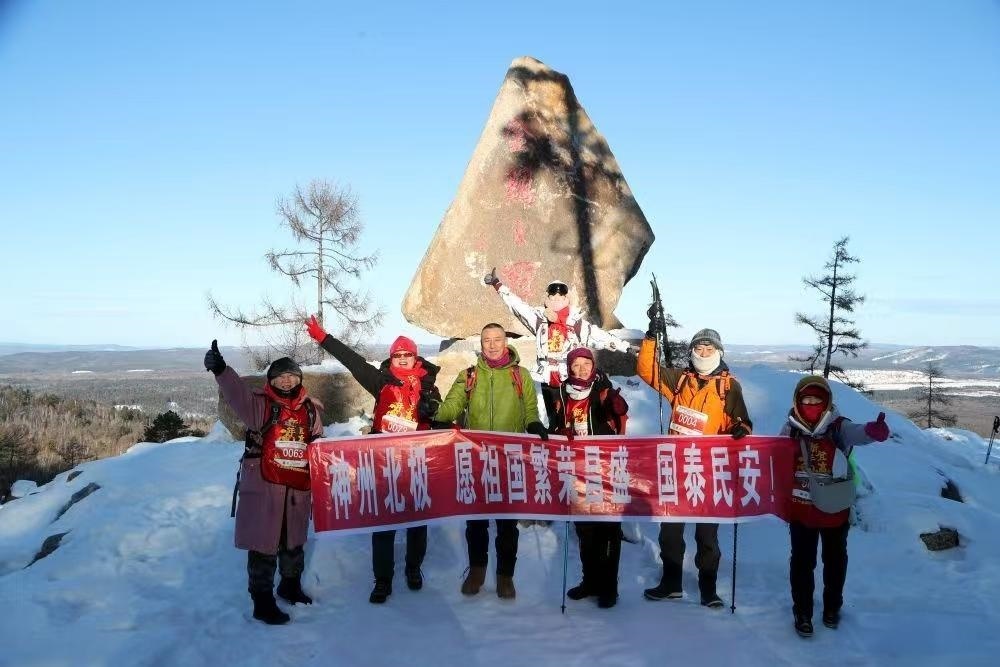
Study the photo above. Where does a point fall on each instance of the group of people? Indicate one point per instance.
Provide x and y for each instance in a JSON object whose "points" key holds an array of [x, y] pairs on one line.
{"points": [[498, 394]]}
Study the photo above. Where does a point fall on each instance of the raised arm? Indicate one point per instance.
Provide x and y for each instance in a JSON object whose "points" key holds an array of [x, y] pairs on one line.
{"points": [[369, 377], [662, 379], [528, 316], [592, 335]]}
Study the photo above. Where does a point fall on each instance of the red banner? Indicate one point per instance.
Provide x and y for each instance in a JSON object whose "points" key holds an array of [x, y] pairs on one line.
{"points": [[374, 482]]}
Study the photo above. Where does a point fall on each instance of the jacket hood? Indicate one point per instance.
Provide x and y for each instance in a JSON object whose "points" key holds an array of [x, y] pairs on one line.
{"points": [[825, 419]]}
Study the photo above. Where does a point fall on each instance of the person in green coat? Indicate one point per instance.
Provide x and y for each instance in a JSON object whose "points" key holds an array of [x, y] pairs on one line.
{"points": [[495, 394]]}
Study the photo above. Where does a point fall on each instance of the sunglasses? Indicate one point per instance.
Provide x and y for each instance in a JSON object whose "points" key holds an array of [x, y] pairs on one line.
{"points": [[557, 289], [402, 355]]}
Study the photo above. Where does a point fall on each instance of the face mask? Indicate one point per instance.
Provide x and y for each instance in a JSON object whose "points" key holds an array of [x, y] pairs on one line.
{"points": [[811, 413], [705, 365]]}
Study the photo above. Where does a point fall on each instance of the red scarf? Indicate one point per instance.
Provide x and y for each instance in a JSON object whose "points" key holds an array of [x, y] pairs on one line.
{"points": [[501, 362]]}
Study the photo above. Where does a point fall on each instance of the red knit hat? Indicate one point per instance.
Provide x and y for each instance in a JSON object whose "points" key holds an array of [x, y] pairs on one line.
{"points": [[578, 352], [403, 344]]}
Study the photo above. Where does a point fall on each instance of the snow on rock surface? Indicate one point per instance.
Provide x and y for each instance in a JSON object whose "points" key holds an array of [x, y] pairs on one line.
{"points": [[147, 574]]}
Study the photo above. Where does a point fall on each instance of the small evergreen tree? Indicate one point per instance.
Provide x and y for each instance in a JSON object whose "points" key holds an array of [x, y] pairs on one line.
{"points": [[73, 451], [835, 332], [930, 398], [166, 426]]}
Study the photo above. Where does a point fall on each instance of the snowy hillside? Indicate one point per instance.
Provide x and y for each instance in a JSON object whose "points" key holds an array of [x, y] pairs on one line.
{"points": [[147, 575]]}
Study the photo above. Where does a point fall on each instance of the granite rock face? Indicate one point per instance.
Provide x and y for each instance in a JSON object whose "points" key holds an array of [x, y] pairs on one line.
{"points": [[541, 199]]}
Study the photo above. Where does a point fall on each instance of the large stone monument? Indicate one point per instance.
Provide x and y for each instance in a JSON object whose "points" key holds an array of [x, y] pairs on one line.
{"points": [[542, 199]]}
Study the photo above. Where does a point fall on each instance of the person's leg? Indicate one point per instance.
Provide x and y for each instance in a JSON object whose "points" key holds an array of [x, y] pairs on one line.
{"points": [[609, 549], [672, 554], [588, 583], [802, 564], [477, 541], [383, 554], [834, 571], [707, 560], [416, 549], [506, 546]]}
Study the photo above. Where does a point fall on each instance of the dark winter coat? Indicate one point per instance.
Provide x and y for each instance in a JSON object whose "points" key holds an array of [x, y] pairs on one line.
{"points": [[605, 407], [375, 380], [262, 505]]}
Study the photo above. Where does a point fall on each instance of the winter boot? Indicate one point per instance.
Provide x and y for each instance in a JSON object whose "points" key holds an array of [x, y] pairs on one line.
{"points": [[474, 580], [505, 587], [266, 609], [665, 590], [381, 592], [607, 600], [803, 625], [290, 590], [831, 619], [580, 591], [414, 578], [706, 585]]}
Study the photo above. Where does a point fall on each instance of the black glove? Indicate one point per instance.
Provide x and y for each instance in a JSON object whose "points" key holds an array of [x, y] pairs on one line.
{"points": [[491, 279], [427, 407], [536, 428], [739, 431], [213, 359], [656, 322]]}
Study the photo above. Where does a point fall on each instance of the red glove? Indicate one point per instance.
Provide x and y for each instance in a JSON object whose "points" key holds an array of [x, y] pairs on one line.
{"points": [[316, 331], [878, 429], [616, 403]]}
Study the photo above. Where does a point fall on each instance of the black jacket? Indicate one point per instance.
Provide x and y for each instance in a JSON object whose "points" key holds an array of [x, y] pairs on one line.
{"points": [[601, 413]]}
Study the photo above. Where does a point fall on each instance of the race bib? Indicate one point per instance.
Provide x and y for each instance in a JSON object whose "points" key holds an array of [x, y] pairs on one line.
{"points": [[685, 421], [580, 427], [397, 424], [290, 454]]}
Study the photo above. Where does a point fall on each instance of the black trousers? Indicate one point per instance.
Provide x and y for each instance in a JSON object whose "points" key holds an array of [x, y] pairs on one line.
{"points": [[383, 551], [600, 552], [261, 566], [803, 563], [477, 538], [706, 558]]}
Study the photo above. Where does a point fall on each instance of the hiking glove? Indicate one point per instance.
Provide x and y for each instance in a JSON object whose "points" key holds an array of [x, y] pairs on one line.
{"points": [[316, 331], [656, 322], [878, 430], [536, 428], [739, 431], [213, 359], [492, 280], [427, 407]]}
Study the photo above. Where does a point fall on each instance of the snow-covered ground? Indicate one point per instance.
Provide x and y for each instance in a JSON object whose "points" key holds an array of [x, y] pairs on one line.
{"points": [[886, 380], [147, 574]]}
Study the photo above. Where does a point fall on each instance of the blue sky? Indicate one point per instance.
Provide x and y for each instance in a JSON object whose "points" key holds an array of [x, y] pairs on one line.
{"points": [[143, 146]]}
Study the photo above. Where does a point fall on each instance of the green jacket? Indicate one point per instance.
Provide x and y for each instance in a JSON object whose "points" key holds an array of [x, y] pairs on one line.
{"points": [[494, 404]]}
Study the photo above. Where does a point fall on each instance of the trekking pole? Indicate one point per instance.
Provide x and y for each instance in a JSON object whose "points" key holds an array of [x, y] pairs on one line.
{"points": [[732, 608], [659, 339], [996, 427], [565, 564]]}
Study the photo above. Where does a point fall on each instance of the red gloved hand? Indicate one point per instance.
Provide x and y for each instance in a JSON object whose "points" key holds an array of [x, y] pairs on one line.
{"points": [[617, 404], [316, 331], [878, 429]]}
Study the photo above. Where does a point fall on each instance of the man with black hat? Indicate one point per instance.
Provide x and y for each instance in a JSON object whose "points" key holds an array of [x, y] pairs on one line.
{"points": [[558, 327], [704, 400], [272, 517]]}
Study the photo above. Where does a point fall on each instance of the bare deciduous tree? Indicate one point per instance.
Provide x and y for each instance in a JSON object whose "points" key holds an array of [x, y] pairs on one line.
{"points": [[324, 220], [931, 397], [836, 333]]}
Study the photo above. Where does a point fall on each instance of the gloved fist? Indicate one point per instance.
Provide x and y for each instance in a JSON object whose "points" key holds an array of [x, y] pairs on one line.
{"points": [[536, 428], [739, 431], [316, 331], [491, 279], [616, 403], [878, 430], [656, 321], [427, 407], [213, 359]]}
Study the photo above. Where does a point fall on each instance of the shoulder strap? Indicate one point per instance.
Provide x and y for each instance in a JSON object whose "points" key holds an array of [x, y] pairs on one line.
{"points": [[515, 376], [470, 380], [311, 413], [723, 384]]}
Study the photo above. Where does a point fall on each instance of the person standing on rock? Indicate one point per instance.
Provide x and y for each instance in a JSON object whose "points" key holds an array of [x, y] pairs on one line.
{"points": [[704, 400], [494, 394], [397, 386], [272, 517], [588, 405], [822, 496], [558, 328]]}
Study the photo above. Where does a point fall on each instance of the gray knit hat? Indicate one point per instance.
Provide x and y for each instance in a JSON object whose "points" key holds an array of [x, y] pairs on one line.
{"points": [[710, 336], [283, 365]]}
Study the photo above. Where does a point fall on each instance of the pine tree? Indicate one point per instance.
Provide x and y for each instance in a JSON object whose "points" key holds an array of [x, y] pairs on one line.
{"points": [[325, 220], [929, 398], [166, 426], [835, 332], [73, 451]]}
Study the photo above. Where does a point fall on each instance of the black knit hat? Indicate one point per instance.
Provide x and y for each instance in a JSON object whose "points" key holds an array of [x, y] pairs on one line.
{"points": [[283, 365]]}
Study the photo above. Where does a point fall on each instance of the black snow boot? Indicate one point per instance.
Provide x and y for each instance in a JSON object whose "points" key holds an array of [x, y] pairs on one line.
{"points": [[290, 590], [706, 585], [580, 591], [414, 578], [381, 592], [831, 619], [266, 609], [803, 625]]}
